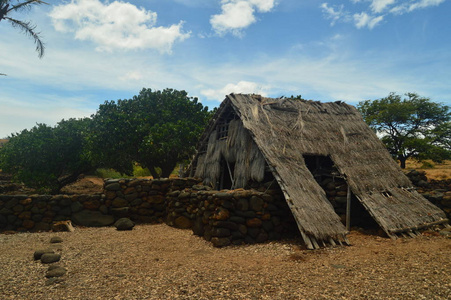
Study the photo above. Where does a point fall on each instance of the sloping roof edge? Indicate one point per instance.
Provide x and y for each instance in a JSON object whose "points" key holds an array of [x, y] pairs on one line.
{"points": [[286, 129], [315, 217], [336, 130]]}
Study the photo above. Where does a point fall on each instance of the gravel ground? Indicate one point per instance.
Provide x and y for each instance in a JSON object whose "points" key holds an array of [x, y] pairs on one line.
{"points": [[160, 262]]}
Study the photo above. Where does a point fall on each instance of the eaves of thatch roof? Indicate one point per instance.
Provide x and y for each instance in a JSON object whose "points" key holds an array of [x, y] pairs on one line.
{"points": [[285, 130]]}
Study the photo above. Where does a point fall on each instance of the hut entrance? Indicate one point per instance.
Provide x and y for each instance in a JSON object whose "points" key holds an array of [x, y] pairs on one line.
{"points": [[226, 179], [336, 188], [332, 182]]}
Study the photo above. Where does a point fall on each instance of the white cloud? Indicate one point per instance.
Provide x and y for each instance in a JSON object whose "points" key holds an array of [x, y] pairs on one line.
{"points": [[365, 20], [239, 14], [375, 12], [424, 4], [131, 76], [263, 5], [115, 25], [410, 6], [245, 87], [378, 6], [334, 13]]}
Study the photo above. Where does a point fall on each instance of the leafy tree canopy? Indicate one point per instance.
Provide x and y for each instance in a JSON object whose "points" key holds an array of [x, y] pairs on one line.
{"points": [[156, 129], [47, 158], [412, 126]]}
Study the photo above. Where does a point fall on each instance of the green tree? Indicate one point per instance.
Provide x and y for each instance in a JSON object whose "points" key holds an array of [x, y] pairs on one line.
{"points": [[156, 129], [412, 126], [47, 158], [6, 8]]}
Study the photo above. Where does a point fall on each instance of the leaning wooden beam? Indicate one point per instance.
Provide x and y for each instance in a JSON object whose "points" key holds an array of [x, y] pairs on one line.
{"points": [[307, 241], [332, 242], [315, 243], [230, 173], [411, 234], [444, 221], [393, 236]]}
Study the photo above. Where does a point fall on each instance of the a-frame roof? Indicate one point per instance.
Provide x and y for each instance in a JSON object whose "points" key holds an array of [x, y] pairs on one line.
{"points": [[287, 129]]}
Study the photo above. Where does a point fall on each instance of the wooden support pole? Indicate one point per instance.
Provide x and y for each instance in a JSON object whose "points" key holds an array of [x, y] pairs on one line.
{"points": [[307, 241], [230, 173], [348, 209], [315, 243], [332, 242], [443, 221]]}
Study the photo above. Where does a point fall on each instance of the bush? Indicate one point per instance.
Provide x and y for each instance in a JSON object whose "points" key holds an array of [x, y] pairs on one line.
{"points": [[139, 171], [427, 165], [108, 173]]}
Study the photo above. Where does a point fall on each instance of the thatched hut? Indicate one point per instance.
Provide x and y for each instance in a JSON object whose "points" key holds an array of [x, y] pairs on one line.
{"points": [[302, 143]]}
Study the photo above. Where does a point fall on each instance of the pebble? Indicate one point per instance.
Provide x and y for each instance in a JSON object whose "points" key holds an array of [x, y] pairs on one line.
{"points": [[49, 258], [56, 239], [38, 253], [55, 271]]}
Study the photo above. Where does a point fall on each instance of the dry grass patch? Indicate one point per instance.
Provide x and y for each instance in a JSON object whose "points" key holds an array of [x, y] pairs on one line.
{"points": [[433, 170]]}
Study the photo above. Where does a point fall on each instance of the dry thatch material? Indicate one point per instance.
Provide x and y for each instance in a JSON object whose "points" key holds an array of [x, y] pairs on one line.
{"points": [[238, 149], [284, 130]]}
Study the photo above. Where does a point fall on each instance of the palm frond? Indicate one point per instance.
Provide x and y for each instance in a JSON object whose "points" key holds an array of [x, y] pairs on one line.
{"points": [[29, 30], [25, 5]]}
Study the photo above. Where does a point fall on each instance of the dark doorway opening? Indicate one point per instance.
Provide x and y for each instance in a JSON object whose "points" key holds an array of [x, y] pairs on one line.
{"points": [[226, 180], [336, 188], [360, 217]]}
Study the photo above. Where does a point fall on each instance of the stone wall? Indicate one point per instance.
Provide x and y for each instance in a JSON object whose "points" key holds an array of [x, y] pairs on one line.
{"points": [[222, 217], [142, 200], [231, 217], [438, 192], [38, 212]]}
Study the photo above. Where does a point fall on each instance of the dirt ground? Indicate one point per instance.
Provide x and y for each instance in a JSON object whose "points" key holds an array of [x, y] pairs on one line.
{"points": [[161, 262], [87, 185]]}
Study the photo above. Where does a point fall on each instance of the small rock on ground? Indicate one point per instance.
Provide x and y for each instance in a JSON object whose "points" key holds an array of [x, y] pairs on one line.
{"points": [[49, 258], [124, 224], [56, 239], [53, 280], [38, 253], [55, 271]]}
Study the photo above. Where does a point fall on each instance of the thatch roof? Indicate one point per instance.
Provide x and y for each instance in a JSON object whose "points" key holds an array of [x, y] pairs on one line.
{"points": [[287, 129]]}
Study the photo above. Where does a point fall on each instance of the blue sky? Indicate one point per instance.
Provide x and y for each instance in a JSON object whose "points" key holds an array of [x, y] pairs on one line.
{"points": [[96, 50]]}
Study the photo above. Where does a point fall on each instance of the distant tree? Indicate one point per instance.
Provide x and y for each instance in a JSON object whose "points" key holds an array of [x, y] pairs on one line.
{"points": [[156, 129], [6, 7], [47, 158], [412, 126]]}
